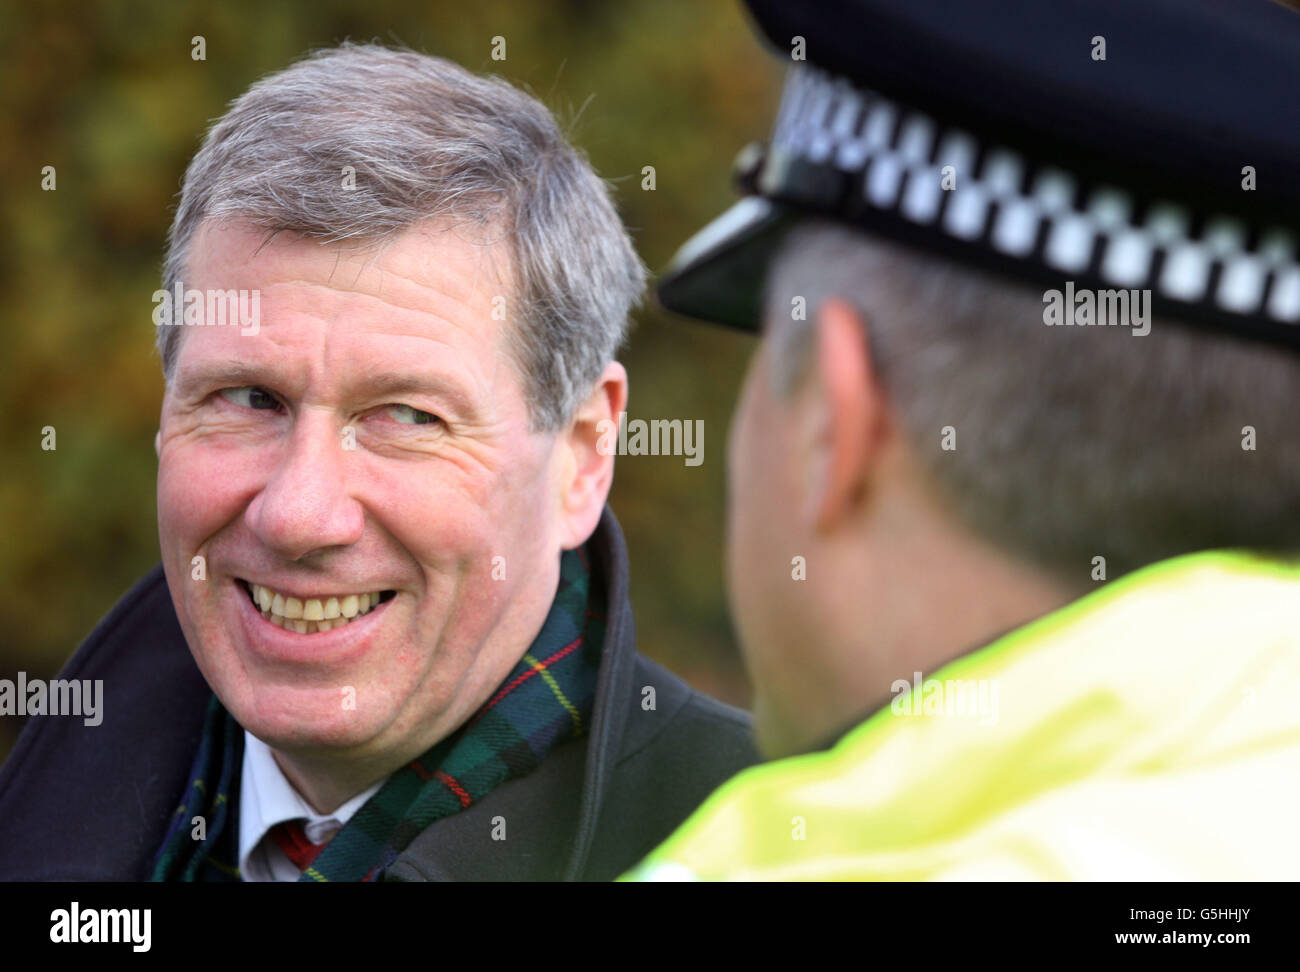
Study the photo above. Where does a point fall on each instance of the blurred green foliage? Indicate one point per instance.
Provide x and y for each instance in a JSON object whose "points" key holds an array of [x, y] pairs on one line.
{"points": [[109, 95]]}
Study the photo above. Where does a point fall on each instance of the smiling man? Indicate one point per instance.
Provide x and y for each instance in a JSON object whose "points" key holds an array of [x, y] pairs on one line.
{"points": [[381, 508]]}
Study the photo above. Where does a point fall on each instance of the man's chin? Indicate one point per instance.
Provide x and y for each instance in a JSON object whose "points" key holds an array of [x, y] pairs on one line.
{"points": [[306, 719]]}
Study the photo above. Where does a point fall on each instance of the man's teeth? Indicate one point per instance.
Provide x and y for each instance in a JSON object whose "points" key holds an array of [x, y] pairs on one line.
{"points": [[314, 614]]}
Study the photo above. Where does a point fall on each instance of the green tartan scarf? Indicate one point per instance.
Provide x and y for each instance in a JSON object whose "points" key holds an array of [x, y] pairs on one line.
{"points": [[546, 700]]}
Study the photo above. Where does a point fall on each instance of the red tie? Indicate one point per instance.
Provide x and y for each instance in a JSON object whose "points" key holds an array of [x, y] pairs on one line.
{"points": [[292, 839]]}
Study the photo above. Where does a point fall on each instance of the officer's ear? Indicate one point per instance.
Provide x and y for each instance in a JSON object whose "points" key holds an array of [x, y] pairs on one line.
{"points": [[844, 419], [157, 443]]}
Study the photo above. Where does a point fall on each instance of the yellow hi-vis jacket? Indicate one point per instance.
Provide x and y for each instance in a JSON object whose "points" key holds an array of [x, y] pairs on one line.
{"points": [[1148, 731]]}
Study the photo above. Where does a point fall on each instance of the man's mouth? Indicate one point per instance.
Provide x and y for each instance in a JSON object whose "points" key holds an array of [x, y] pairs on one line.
{"points": [[312, 614]]}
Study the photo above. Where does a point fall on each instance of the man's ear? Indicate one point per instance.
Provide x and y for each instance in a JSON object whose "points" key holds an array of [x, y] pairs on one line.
{"points": [[157, 443], [586, 461], [845, 411]]}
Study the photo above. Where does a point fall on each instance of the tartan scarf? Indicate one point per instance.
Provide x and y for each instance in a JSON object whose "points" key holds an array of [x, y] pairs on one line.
{"points": [[545, 700]]}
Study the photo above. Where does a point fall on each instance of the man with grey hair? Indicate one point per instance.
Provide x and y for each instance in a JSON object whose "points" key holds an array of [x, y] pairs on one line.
{"points": [[1014, 560], [392, 299]]}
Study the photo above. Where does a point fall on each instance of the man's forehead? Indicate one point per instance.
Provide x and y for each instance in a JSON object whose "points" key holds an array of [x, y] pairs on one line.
{"points": [[467, 264], [419, 310]]}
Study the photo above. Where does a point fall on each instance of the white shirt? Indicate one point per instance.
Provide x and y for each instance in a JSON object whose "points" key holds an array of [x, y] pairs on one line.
{"points": [[266, 798]]}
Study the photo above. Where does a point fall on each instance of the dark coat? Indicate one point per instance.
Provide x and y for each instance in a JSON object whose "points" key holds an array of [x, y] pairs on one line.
{"points": [[93, 803]]}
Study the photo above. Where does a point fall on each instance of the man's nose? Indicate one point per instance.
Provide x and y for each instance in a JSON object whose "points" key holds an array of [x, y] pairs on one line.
{"points": [[305, 505]]}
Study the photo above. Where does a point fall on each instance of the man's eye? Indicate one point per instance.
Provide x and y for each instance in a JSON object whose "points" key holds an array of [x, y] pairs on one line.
{"points": [[250, 396], [407, 415]]}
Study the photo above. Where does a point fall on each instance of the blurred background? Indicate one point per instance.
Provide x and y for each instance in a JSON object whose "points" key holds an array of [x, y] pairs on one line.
{"points": [[109, 95]]}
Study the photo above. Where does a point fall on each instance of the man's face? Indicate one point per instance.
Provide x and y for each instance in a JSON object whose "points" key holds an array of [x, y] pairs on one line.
{"points": [[371, 439]]}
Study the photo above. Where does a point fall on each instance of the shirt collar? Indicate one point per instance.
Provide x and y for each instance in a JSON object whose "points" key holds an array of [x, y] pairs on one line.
{"points": [[266, 798]]}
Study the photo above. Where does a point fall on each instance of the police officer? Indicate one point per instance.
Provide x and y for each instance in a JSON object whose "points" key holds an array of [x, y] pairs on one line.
{"points": [[1015, 477]]}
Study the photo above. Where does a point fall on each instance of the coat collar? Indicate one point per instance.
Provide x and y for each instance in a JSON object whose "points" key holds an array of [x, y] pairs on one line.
{"points": [[616, 669]]}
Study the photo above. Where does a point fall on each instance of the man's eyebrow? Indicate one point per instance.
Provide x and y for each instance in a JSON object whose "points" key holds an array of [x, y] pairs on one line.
{"points": [[226, 374], [396, 385], [219, 375]]}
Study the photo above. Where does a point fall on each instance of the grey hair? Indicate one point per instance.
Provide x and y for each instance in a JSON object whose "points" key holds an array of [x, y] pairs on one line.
{"points": [[1072, 442], [426, 138]]}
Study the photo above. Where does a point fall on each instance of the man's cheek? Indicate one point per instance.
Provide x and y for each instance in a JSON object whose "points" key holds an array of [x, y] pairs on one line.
{"points": [[197, 483], [192, 509], [179, 508]]}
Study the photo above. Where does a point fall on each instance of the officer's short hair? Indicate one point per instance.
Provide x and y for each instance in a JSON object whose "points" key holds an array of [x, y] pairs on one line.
{"points": [[1070, 442]]}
